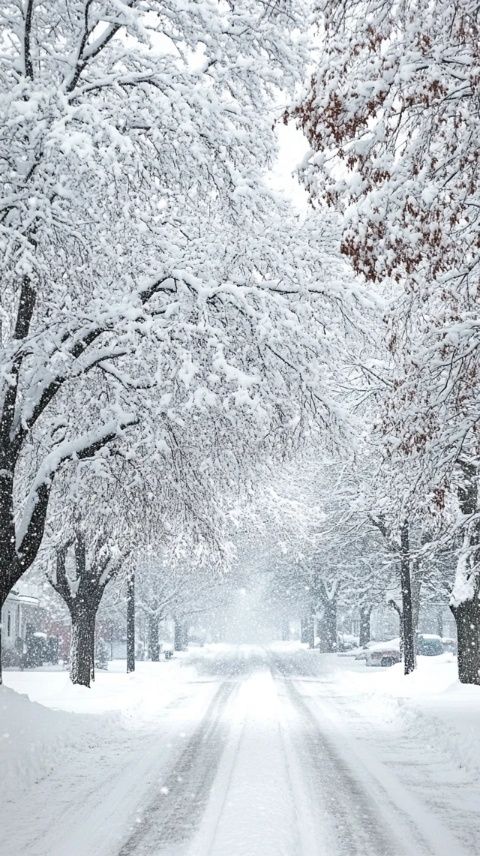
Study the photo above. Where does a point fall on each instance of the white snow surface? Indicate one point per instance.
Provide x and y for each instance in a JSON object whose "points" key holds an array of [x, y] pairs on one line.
{"points": [[241, 751]]}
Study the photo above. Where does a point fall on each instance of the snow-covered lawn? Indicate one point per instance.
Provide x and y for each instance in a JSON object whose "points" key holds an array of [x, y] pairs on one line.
{"points": [[136, 698]]}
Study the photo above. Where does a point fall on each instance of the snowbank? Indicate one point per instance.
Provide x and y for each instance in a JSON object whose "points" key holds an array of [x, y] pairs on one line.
{"points": [[137, 698], [35, 740], [431, 704], [44, 719], [428, 708]]}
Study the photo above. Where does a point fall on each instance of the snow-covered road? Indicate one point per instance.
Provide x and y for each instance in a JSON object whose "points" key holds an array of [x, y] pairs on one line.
{"points": [[264, 754]]}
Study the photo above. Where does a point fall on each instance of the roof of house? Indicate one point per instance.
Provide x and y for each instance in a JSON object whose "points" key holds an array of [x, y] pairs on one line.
{"points": [[17, 596]]}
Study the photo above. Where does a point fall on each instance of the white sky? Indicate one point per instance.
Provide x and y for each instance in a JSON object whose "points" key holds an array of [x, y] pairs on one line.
{"points": [[293, 148]]}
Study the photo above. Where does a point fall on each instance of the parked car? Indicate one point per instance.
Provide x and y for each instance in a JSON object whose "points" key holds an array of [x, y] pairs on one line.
{"points": [[346, 642], [384, 653], [450, 645], [388, 653], [429, 645]]}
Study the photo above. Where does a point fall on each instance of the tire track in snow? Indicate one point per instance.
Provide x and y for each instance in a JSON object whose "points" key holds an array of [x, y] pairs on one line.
{"points": [[372, 811], [199, 847], [175, 811], [312, 836], [258, 804], [354, 825]]}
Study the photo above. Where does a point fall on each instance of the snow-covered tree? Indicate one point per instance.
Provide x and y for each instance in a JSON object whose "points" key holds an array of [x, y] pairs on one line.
{"points": [[393, 103], [81, 584], [154, 289], [393, 99]]}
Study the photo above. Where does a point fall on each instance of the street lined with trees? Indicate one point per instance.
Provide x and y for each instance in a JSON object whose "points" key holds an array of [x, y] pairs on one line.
{"points": [[239, 403], [176, 329]]}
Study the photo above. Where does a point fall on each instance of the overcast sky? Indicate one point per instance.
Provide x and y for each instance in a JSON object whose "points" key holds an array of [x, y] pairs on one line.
{"points": [[293, 148]]}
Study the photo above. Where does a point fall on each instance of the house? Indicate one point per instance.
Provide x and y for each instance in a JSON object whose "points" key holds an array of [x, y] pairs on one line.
{"points": [[21, 616]]}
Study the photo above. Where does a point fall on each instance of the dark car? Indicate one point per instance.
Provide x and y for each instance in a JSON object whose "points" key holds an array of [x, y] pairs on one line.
{"points": [[429, 645]]}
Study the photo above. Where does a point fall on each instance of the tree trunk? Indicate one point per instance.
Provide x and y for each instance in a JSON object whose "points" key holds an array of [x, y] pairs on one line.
{"points": [[153, 641], [3, 597], [178, 636], [81, 648], [397, 609], [304, 629], [311, 628], [467, 611], [416, 583], [467, 617], [328, 627], [439, 617], [131, 623], [408, 633], [92, 658], [365, 614]]}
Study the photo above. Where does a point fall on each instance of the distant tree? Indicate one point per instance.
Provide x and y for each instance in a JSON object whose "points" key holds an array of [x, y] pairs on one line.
{"points": [[176, 587], [393, 100]]}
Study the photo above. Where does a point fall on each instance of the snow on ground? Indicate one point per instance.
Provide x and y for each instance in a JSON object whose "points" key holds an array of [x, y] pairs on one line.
{"points": [[34, 737], [68, 753], [413, 740], [136, 698], [242, 751], [33, 740], [431, 703]]}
